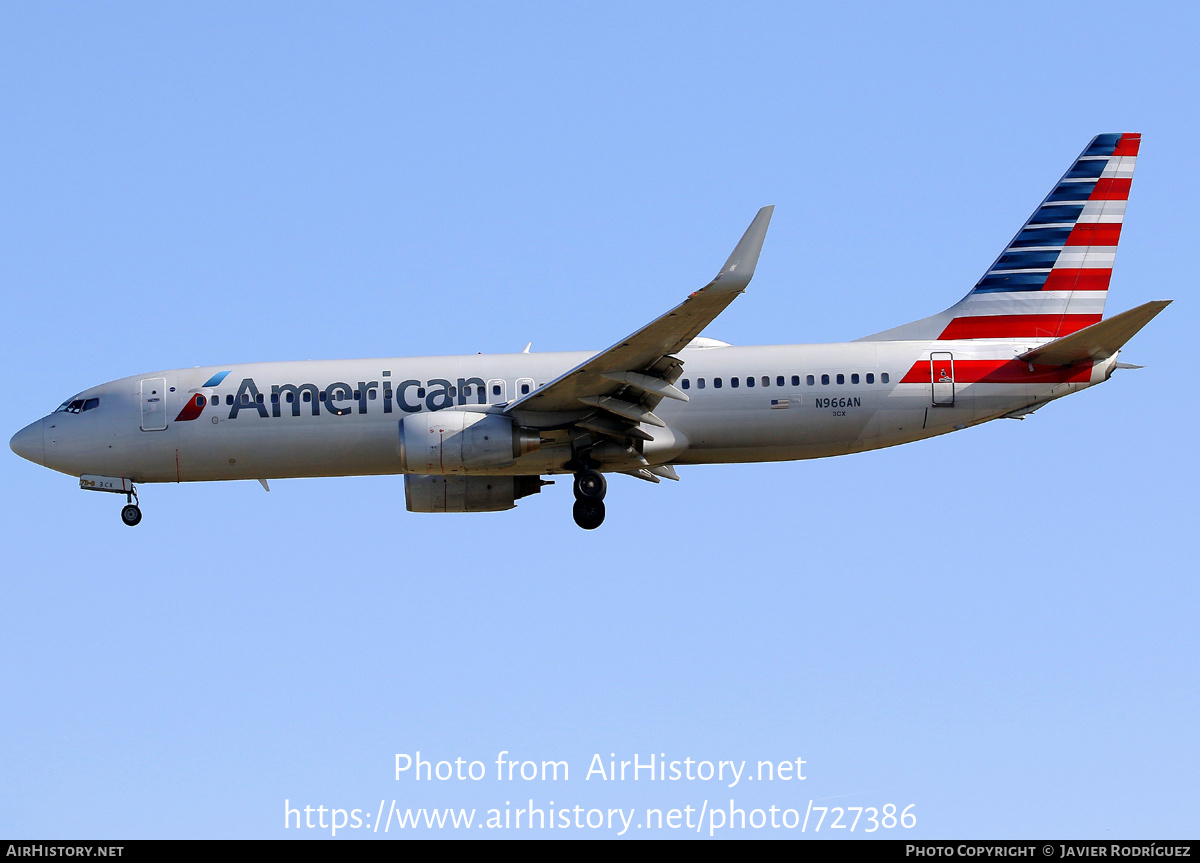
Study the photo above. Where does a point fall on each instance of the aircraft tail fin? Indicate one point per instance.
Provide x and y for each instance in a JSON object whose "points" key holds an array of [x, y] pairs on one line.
{"points": [[1097, 342], [1052, 278]]}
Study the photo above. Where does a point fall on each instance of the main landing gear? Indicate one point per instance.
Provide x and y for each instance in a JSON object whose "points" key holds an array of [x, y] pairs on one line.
{"points": [[590, 487], [131, 513]]}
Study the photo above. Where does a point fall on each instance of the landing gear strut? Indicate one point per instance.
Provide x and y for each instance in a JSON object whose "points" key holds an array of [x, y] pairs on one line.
{"points": [[590, 487], [131, 513]]}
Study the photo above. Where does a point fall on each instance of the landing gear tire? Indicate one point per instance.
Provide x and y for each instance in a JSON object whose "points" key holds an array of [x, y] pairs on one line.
{"points": [[131, 514], [590, 485], [589, 514]]}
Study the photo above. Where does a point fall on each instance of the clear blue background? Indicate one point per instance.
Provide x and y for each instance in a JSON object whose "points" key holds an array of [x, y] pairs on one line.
{"points": [[998, 625]]}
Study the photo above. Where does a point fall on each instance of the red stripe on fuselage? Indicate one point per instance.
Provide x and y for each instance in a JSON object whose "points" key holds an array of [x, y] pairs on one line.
{"points": [[1016, 326], [1078, 280], [1001, 372]]}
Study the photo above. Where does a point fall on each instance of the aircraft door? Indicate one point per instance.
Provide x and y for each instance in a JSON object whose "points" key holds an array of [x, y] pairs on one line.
{"points": [[154, 404], [497, 392], [941, 373]]}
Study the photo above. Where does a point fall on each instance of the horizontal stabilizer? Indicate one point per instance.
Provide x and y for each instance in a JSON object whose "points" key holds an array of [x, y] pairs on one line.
{"points": [[1097, 342]]}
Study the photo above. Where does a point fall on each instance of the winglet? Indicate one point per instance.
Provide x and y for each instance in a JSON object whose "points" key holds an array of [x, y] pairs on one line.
{"points": [[739, 269]]}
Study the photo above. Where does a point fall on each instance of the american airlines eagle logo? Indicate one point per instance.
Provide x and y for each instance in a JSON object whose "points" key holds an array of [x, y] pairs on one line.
{"points": [[195, 405]]}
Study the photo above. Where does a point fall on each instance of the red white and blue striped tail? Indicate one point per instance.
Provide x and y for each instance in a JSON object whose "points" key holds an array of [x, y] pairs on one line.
{"points": [[1052, 279]]}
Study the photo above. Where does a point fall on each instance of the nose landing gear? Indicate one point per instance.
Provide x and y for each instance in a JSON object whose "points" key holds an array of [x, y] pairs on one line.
{"points": [[590, 487], [131, 513]]}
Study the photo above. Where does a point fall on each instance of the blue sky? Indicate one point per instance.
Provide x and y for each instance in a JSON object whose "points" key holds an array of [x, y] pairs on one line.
{"points": [[997, 626]]}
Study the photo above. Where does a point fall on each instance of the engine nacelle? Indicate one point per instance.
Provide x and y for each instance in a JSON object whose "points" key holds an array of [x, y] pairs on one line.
{"points": [[448, 442], [466, 493]]}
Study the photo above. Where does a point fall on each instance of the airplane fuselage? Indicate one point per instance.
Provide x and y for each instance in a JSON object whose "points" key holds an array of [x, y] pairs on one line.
{"points": [[341, 418]]}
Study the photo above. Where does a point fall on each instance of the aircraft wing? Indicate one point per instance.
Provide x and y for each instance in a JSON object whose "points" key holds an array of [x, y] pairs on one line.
{"points": [[618, 388]]}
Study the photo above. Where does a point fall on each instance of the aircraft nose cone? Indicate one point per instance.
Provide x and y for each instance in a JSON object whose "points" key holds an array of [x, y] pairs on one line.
{"points": [[29, 444]]}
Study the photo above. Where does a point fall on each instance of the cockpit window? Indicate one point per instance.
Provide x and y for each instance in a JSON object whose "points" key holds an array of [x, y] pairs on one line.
{"points": [[76, 406]]}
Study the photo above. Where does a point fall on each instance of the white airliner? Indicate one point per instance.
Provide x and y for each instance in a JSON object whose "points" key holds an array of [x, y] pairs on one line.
{"points": [[476, 433]]}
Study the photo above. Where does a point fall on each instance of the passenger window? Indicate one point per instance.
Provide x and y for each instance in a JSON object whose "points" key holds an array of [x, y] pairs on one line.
{"points": [[495, 389], [749, 382], [735, 382], [357, 395], [420, 392], [884, 377], [322, 395], [811, 380], [453, 392], [524, 389], [825, 380], [387, 392], [716, 383], [766, 381], [854, 378], [371, 395], [291, 397], [306, 397], [259, 398], [687, 385], [229, 399], [870, 378], [699, 383], [841, 379], [275, 398]]}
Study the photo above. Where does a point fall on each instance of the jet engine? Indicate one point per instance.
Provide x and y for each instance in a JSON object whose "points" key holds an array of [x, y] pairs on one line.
{"points": [[449, 442], [467, 493]]}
